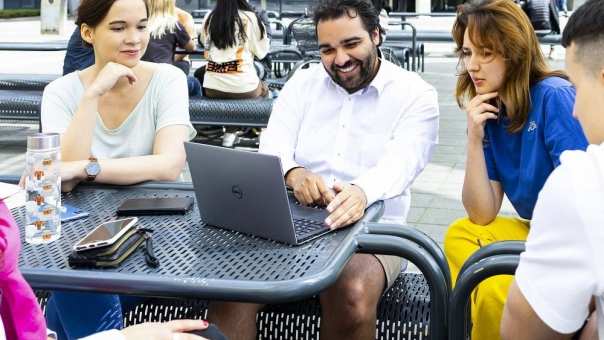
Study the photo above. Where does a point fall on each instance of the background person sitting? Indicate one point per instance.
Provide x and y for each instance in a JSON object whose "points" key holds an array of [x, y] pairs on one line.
{"points": [[167, 33], [519, 116], [121, 121], [181, 60], [78, 55], [232, 36]]}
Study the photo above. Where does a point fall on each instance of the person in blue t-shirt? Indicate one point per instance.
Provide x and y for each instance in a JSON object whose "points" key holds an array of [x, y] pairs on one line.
{"points": [[519, 115]]}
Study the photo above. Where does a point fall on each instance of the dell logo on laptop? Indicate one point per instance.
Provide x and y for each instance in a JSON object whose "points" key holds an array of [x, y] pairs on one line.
{"points": [[237, 192]]}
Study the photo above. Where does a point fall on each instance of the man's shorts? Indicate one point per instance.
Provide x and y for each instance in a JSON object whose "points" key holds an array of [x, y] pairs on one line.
{"points": [[392, 266]]}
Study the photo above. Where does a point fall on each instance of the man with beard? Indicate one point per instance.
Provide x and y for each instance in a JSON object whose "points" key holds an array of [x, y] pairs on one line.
{"points": [[352, 131]]}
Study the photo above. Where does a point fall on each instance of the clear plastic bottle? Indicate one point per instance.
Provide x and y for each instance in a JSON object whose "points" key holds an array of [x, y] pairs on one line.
{"points": [[43, 188]]}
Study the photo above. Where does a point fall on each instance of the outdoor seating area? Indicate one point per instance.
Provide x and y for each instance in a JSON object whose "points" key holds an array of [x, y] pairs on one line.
{"points": [[417, 306], [326, 161]]}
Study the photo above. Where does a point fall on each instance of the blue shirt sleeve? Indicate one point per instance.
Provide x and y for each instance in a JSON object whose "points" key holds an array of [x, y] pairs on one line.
{"points": [[562, 130]]}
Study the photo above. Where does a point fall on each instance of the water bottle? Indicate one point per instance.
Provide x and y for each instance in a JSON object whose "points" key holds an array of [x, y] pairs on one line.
{"points": [[43, 188]]}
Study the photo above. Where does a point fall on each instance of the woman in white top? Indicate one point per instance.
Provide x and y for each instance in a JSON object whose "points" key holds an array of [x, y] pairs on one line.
{"points": [[232, 35], [121, 120]]}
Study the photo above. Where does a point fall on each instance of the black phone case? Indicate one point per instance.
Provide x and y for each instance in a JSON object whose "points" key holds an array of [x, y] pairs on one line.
{"points": [[155, 206], [110, 256]]}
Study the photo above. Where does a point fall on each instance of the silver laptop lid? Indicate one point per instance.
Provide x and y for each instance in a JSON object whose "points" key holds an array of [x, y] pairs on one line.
{"points": [[241, 191]]}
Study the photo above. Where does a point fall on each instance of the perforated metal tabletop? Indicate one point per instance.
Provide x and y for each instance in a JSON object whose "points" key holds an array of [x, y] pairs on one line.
{"points": [[196, 259]]}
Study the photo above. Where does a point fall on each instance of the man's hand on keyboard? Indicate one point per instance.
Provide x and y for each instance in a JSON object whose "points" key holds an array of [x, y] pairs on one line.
{"points": [[347, 207], [309, 188]]}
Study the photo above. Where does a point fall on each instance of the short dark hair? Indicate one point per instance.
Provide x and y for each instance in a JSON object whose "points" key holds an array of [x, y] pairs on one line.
{"points": [[585, 28], [335, 9], [92, 12]]}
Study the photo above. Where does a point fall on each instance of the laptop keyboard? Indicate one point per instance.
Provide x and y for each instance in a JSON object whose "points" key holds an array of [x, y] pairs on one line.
{"points": [[306, 228]]}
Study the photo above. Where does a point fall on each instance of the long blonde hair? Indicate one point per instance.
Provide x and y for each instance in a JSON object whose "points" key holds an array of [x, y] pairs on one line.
{"points": [[503, 27], [162, 17]]}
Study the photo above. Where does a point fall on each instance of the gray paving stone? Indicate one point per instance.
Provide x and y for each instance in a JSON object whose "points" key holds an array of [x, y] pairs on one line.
{"points": [[435, 231], [448, 203], [415, 213], [421, 199], [441, 217]]}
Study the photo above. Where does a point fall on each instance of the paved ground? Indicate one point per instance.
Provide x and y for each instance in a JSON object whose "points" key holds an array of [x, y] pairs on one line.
{"points": [[436, 199]]}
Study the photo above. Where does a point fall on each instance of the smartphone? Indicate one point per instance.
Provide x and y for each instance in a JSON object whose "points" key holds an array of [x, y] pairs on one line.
{"points": [[71, 213], [106, 234], [155, 206]]}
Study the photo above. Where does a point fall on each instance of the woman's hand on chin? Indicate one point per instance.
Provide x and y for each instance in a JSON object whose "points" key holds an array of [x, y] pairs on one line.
{"points": [[108, 77]]}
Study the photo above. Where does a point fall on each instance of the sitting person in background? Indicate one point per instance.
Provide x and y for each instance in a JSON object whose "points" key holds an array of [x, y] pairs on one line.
{"points": [[560, 274], [121, 121], [78, 55], [167, 33], [182, 60], [21, 314], [519, 116], [233, 35]]}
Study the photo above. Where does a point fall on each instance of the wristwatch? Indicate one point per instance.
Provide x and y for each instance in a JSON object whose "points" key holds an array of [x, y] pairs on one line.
{"points": [[92, 169]]}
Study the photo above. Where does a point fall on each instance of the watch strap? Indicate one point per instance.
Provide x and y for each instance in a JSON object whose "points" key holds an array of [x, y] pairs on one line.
{"points": [[91, 177]]}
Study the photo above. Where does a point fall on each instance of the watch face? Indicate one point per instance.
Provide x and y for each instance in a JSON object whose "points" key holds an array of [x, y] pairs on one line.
{"points": [[93, 168]]}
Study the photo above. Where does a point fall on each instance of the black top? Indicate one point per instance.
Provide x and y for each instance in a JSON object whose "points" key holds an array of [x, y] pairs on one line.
{"points": [[162, 50]]}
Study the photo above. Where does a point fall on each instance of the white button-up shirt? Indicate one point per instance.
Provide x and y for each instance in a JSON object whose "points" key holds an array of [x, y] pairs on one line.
{"points": [[379, 138]]}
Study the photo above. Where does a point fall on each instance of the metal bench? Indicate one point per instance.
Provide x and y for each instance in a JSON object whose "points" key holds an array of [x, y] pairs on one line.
{"points": [[230, 112], [403, 313], [47, 46], [498, 258], [26, 82], [24, 106], [435, 36], [20, 106]]}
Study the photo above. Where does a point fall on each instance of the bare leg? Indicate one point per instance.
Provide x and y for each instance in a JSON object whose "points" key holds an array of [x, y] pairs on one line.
{"points": [[235, 319], [349, 306]]}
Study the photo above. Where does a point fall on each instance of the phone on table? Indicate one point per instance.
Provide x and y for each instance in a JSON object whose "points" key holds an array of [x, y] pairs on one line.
{"points": [[155, 206], [106, 234], [71, 213]]}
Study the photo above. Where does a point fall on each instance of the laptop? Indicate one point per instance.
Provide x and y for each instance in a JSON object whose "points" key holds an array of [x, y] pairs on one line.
{"points": [[245, 192]]}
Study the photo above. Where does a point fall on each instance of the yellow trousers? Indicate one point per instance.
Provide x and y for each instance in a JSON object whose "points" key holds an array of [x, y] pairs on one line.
{"points": [[463, 238]]}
